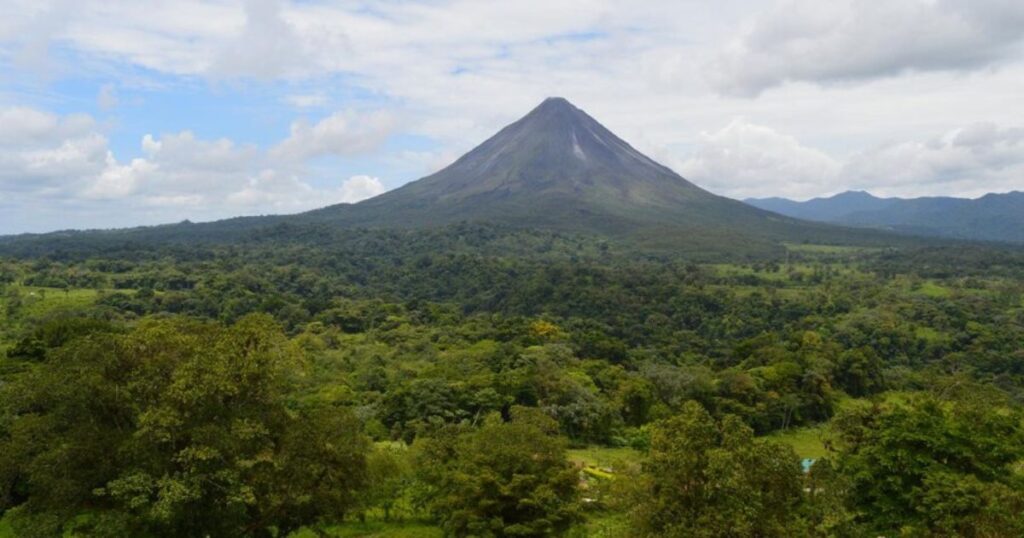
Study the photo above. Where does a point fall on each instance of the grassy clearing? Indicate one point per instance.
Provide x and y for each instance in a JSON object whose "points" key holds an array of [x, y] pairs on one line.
{"points": [[828, 249], [5, 529], [41, 301], [788, 293], [796, 277], [38, 302], [780, 276], [898, 397], [933, 290], [806, 442], [604, 457], [930, 335]]}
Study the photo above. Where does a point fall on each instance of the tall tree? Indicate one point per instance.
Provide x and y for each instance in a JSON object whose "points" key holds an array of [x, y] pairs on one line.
{"points": [[503, 479], [705, 478]]}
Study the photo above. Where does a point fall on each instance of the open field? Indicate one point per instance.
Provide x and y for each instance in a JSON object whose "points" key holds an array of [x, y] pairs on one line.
{"points": [[604, 457], [40, 301], [810, 248], [806, 442], [36, 302]]}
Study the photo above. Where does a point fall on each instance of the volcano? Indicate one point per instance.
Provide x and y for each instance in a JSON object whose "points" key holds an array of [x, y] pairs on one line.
{"points": [[555, 169], [558, 168]]}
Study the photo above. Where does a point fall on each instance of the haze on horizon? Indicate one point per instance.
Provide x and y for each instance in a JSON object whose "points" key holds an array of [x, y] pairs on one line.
{"points": [[117, 114]]}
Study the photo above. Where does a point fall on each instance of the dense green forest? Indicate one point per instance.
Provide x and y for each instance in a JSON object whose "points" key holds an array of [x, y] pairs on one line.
{"points": [[475, 380]]}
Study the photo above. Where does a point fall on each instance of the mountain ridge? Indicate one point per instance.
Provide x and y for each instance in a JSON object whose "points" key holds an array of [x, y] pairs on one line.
{"points": [[992, 217]]}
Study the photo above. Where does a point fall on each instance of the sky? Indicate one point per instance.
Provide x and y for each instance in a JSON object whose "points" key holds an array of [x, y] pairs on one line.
{"points": [[121, 113]]}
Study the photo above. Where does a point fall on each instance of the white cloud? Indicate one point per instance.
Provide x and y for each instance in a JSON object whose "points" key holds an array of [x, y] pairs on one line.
{"points": [[186, 153], [743, 159], [30, 29], [174, 201], [107, 97], [275, 191], [265, 47], [307, 100], [68, 160], [179, 175], [746, 160], [425, 163], [342, 133], [118, 181], [359, 188], [460, 69], [212, 173], [24, 126], [286, 193], [44, 153], [972, 161], [841, 40]]}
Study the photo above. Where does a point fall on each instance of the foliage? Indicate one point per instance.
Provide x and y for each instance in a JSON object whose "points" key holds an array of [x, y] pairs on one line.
{"points": [[407, 337], [177, 428], [933, 467], [709, 478], [503, 479], [389, 477]]}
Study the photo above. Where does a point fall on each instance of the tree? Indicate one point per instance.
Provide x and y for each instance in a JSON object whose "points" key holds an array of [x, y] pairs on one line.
{"points": [[708, 479], [390, 475], [52, 334], [178, 428], [503, 479], [933, 467], [859, 371]]}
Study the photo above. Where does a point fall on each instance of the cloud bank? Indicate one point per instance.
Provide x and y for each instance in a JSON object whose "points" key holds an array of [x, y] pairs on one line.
{"points": [[744, 160], [845, 40], [46, 158]]}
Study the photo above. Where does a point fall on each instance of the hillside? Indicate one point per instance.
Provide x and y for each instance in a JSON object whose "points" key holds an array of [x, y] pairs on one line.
{"points": [[993, 217]]}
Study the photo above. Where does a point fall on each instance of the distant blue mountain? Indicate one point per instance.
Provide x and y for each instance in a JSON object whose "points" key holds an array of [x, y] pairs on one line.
{"points": [[993, 217], [831, 209]]}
